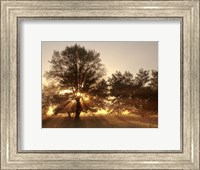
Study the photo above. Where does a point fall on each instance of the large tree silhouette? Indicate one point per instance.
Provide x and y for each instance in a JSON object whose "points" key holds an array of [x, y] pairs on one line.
{"points": [[81, 72]]}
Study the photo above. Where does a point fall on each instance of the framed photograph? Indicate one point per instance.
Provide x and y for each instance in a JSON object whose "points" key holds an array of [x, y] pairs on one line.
{"points": [[83, 88], [100, 84]]}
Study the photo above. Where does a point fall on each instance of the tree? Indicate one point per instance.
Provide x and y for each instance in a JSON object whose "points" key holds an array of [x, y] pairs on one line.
{"points": [[154, 80], [121, 84], [81, 72], [128, 93], [142, 77], [121, 88], [48, 96]]}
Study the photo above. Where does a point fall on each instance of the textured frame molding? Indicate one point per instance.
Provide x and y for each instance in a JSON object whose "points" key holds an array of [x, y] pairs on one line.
{"points": [[12, 11]]}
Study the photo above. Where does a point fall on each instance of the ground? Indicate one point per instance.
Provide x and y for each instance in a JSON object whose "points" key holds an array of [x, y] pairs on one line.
{"points": [[102, 121]]}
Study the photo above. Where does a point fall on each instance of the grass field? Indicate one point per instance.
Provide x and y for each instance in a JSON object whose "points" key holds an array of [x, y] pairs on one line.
{"points": [[102, 121]]}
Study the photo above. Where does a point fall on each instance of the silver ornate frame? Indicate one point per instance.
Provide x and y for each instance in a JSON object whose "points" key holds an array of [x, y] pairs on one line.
{"points": [[12, 11]]}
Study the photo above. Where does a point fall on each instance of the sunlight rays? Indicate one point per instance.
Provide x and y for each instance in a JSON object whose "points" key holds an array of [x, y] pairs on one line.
{"points": [[67, 91]]}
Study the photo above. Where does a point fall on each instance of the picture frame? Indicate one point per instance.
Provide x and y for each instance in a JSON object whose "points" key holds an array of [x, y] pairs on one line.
{"points": [[11, 14]]}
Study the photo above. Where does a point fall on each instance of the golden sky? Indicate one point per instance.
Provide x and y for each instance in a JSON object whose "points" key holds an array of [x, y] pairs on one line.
{"points": [[116, 56]]}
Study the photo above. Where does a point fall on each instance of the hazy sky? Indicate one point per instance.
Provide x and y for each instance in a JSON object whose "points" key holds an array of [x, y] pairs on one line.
{"points": [[118, 55]]}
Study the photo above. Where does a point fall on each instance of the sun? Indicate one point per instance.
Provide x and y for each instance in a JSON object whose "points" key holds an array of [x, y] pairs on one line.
{"points": [[50, 111]]}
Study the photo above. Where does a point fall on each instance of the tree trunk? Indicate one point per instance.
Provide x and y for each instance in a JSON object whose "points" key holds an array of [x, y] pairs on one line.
{"points": [[78, 109]]}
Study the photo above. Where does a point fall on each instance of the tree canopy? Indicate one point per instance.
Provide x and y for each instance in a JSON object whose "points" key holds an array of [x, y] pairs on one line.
{"points": [[80, 71]]}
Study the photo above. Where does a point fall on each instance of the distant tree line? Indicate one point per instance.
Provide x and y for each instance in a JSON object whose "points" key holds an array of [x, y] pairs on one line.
{"points": [[140, 92]]}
